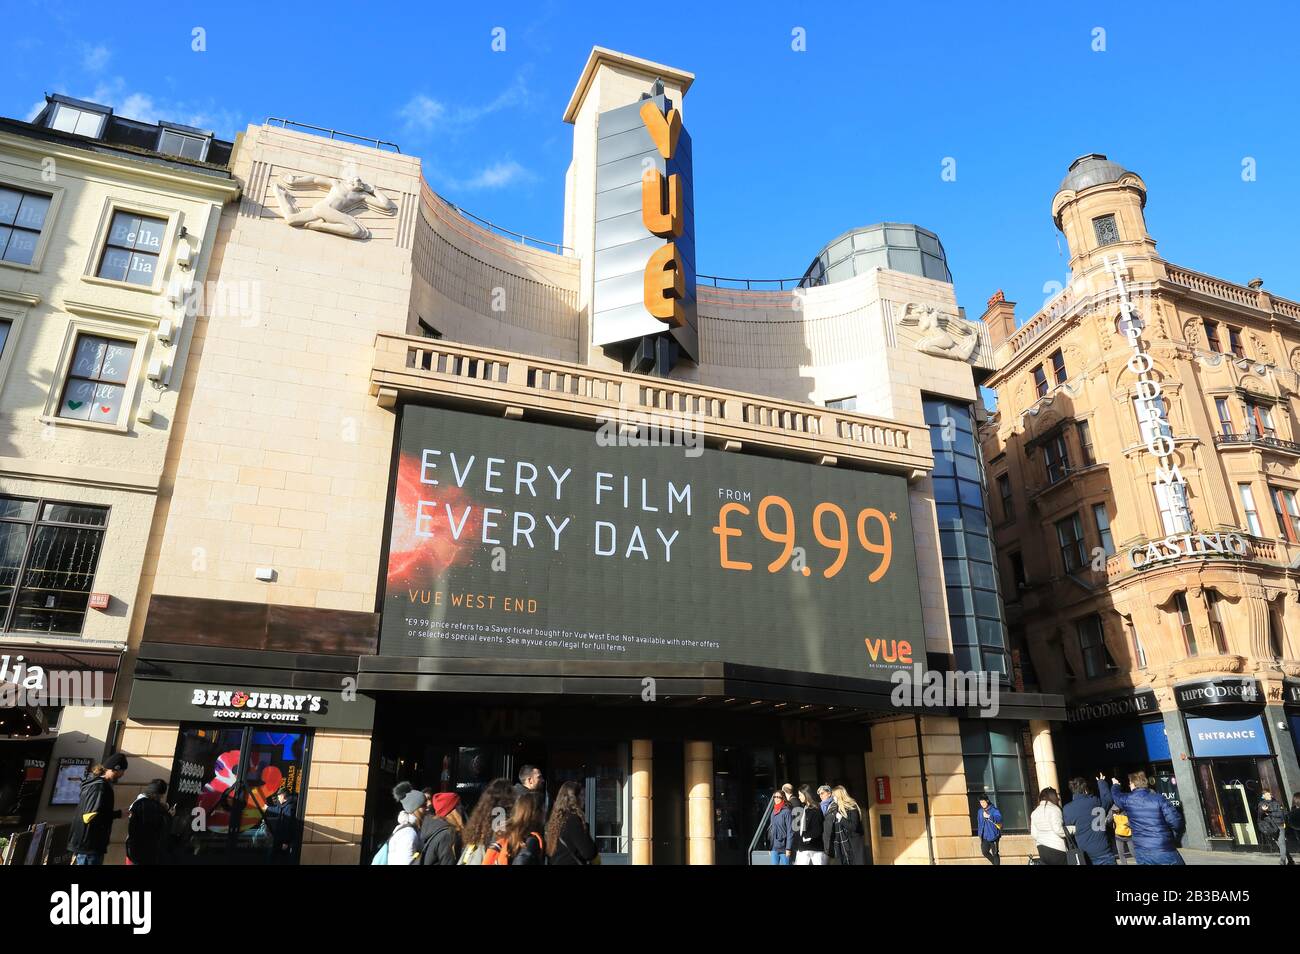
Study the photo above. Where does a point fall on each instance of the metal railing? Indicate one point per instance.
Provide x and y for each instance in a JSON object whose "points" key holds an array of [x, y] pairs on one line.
{"points": [[1264, 440], [331, 133], [541, 244], [750, 284]]}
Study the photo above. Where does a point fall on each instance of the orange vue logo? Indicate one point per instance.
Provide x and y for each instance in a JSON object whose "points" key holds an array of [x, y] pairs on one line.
{"points": [[889, 650]]}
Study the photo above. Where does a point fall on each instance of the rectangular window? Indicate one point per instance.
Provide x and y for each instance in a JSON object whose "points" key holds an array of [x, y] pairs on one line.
{"points": [[132, 249], [1225, 416], [1185, 623], [22, 217], [1139, 651], [80, 122], [1259, 420], [1248, 508], [5, 327], [96, 385], [1040, 381], [1287, 512], [1058, 366], [1105, 229], [1069, 536], [1084, 431], [1102, 519], [994, 758], [1215, 603], [1097, 660], [1004, 492], [1056, 458], [1152, 417], [1171, 500], [48, 555], [1018, 571], [843, 404], [1211, 334], [186, 146], [1234, 342]]}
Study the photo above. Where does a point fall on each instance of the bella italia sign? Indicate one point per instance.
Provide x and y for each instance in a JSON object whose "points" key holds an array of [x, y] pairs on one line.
{"points": [[1150, 404], [1203, 546]]}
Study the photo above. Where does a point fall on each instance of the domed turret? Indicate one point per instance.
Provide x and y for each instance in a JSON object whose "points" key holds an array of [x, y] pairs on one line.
{"points": [[1099, 205]]}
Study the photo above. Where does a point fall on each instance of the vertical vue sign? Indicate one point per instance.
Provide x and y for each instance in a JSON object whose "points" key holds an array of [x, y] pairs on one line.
{"points": [[1150, 404], [644, 260]]}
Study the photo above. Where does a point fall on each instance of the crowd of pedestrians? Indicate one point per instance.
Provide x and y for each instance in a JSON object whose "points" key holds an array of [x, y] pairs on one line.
{"points": [[512, 824], [1103, 824], [808, 829]]}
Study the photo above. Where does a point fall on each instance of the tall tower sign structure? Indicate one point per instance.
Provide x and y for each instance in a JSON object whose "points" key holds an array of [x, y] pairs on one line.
{"points": [[629, 211]]}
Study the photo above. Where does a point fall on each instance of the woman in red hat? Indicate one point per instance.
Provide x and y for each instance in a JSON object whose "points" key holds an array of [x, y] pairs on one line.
{"points": [[441, 829]]}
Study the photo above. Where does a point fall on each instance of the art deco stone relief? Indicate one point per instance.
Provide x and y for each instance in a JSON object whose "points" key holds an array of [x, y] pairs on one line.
{"points": [[331, 213], [942, 335]]}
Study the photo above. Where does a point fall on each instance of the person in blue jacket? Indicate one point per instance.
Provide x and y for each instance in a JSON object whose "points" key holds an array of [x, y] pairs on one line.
{"points": [[782, 833], [1085, 817], [1154, 820], [988, 825]]}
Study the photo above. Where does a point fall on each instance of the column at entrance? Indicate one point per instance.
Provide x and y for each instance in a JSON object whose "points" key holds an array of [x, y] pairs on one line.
{"points": [[642, 813], [699, 803], [1044, 755]]}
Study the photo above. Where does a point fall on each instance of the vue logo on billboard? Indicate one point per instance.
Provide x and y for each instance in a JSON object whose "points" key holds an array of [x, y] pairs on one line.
{"points": [[889, 650]]}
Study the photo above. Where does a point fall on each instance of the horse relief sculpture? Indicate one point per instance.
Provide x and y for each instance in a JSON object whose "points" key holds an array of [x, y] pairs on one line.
{"points": [[942, 335], [331, 213]]}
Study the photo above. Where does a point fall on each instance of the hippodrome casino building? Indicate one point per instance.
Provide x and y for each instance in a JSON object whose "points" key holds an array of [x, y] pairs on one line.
{"points": [[412, 531]]}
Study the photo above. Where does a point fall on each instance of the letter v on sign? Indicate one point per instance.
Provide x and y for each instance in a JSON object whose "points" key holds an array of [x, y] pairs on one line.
{"points": [[664, 130]]}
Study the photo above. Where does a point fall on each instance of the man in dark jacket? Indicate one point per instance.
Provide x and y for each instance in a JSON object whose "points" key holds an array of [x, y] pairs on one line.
{"points": [[1270, 816], [988, 825], [1085, 816], [146, 826], [781, 833], [1154, 820], [88, 841]]}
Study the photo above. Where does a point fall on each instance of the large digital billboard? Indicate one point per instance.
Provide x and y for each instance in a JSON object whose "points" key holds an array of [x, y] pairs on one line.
{"points": [[523, 540]]}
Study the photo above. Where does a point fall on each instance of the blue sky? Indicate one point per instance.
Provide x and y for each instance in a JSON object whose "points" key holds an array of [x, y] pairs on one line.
{"points": [[791, 147]]}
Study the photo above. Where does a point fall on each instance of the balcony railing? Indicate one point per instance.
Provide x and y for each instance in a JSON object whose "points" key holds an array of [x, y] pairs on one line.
{"points": [[407, 367], [1258, 440]]}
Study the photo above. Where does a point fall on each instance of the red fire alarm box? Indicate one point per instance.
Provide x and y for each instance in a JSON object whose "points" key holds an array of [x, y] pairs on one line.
{"points": [[882, 790], [99, 601]]}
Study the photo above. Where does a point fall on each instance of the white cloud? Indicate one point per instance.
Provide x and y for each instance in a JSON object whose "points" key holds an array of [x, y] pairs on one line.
{"points": [[499, 175], [424, 114], [95, 58]]}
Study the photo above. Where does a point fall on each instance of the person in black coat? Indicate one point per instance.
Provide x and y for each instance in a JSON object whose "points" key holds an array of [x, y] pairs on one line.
{"points": [[146, 827], [441, 831], [1271, 818], [568, 840], [809, 848], [1086, 815], [88, 840], [843, 835]]}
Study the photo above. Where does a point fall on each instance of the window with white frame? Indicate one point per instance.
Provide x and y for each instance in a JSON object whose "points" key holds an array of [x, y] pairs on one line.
{"points": [[1248, 508], [1097, 660], [81, 122], [1171, 500], [95, 389], [6, 326], [132, 249], [173, 142], [1152, 417], [1102, 519], [22, 217]]}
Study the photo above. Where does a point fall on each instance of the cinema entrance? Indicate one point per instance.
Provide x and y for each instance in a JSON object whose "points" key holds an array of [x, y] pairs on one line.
{"points": [[640, 764]]}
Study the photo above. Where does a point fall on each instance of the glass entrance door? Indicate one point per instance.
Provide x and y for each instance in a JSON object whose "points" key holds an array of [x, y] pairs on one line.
{"points": [[1230, 790]]}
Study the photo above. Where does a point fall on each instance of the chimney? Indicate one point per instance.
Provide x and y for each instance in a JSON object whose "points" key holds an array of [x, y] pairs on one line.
{"points": [[1000, 317]]}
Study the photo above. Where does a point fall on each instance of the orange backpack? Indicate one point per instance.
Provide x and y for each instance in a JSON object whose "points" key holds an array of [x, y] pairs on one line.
{"points": [[498, 853]]}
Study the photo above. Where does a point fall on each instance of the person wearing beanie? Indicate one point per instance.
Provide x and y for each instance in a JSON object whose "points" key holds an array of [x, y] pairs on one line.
{"points": [[146, 826], [88, 841], [440, 832], [404, 842]]}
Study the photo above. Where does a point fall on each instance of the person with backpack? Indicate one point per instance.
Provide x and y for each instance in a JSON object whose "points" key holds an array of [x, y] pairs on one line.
{"points": [[440, 831], [781, 834], [809, 848], [522, 842], [1270, 817], [403, 845], [146, 827], [487, 822], [93, 824], [1154, 820], [568, 841], [988, 825], [843, 830], [1085, 819]]}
